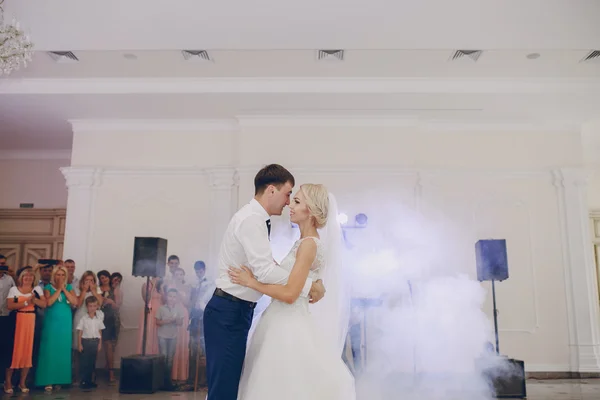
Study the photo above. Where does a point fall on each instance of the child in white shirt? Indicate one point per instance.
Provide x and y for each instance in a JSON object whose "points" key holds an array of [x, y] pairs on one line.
{"points": [[89, 333]]}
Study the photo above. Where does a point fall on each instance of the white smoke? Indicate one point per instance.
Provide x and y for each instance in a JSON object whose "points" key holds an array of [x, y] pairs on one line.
{"points": [[429, 337]]}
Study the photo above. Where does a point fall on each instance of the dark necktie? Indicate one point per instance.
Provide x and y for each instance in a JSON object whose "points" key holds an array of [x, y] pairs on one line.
{"points": [[269, 228]]}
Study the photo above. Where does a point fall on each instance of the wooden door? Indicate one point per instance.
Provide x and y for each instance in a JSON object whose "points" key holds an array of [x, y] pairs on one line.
{"points": [[595, 233], [29, 234], [32, 252], [12, 252]]}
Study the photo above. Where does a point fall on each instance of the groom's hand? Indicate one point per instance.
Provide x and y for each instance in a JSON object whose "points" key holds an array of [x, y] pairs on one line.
{"points": [[317, 291]]}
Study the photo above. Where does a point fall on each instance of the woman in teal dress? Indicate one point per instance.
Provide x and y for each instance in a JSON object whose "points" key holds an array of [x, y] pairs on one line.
{"points": [[54, 362]]}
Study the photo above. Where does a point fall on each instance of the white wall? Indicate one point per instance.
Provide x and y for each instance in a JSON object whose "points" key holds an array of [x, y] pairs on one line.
{"points": [[469, 184], [32, 181]]}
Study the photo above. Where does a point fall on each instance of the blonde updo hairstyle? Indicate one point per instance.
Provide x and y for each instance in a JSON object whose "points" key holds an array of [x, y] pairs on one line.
{"points": [[317, 202]]}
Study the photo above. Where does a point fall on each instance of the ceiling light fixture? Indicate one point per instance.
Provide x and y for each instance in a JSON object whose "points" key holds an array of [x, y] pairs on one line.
{"points": [[330, 55], [196, 55], [15, 46]]}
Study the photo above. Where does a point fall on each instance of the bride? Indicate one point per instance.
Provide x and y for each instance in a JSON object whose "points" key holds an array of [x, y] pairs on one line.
{"points": [[293, 354]]}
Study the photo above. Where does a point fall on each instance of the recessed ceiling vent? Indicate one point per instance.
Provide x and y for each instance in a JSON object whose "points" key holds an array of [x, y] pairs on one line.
{"points": [[63, 56], [330, 55], [471, 55], [592, 57], [196, 55]]}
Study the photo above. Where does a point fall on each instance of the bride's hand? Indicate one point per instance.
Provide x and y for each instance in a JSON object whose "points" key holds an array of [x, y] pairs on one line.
{"points": [[241, 276]]}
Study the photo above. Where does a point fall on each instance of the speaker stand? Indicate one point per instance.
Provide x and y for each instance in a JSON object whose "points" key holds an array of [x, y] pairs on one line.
{"points": [[495, 317], [364, 304], [146, 312]]}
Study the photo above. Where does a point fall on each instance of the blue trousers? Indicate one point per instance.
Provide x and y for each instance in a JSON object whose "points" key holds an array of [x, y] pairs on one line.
{"points": [[226, 327]]}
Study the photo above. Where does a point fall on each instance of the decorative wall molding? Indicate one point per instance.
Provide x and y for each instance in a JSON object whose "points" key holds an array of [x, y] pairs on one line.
{"points": [[422, 174], [579, 270], [150, 125], [35, 154], [390, 121], [82, 177], [302, 121], [299, 85], [366, 120], [222, 178], [154, 171], [563, 177], [500, 126], [487, 198]]}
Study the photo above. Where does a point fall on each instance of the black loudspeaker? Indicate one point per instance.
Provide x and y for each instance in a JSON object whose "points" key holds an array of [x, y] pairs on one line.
{"points": [[511, 384], [149, 257], [142, 374], [492, 260]]}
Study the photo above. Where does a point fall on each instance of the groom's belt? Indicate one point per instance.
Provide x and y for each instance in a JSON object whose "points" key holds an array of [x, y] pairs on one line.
{"points": [[225, 295]]}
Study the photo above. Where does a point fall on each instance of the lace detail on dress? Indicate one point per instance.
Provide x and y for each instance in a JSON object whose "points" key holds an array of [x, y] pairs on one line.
{"points": [[288, 264], [320, 257]]}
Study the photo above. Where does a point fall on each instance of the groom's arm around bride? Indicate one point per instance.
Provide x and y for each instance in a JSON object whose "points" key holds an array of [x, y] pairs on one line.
{"points": [[228, 315]]}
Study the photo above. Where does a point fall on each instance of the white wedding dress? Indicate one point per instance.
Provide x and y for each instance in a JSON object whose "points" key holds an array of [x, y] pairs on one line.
{"points": [[287, 358]]}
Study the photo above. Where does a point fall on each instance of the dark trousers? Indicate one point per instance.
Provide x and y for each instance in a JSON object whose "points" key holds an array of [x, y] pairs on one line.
{"points": [[167, 347], [7, 340], [87, 359], [226, 327], [37, 339], [197, 347]]}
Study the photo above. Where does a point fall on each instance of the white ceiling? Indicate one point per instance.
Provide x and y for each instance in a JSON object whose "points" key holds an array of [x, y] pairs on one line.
{"points": [[309, 24], [263, 62]]}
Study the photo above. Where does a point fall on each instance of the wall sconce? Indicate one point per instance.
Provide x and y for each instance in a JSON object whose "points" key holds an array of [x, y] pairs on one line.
{"points": [[360, 222]]}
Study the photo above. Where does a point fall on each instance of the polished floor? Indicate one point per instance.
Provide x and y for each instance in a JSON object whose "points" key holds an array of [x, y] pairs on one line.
{"points": [[536, 390]]}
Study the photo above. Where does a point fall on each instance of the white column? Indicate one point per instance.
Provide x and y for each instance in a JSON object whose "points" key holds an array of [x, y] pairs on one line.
{"points": [[223, 203], [590, 147], [590, 143], [81, 185], [580, 272]]}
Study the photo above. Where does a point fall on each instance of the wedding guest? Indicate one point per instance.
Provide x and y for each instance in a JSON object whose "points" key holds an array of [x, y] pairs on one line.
{"points": [[115, 281], [23, 298], [9, 270], [201, 294], [169, 320], [89, 341], [181, 367], [45, 274], [173, 264], [54, 364], [87, 287], [70, 266], [156, 297], [7, 321], [110, 334]]}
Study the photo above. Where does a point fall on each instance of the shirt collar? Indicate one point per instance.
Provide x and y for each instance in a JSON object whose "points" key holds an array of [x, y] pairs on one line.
{"points": [[259, 209]]}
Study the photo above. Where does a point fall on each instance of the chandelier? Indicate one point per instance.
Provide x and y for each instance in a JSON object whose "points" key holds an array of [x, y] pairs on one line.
{"points": [[15, 46]]}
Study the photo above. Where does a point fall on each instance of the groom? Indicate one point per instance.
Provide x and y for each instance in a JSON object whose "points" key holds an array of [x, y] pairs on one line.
{"points": [[228, 314]]}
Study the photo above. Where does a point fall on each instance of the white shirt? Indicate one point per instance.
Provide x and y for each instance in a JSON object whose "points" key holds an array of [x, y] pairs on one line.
{"points": [[204, 290], [91, 327], [15, 292], [6, 283], [246, 242], [75, 283]]}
